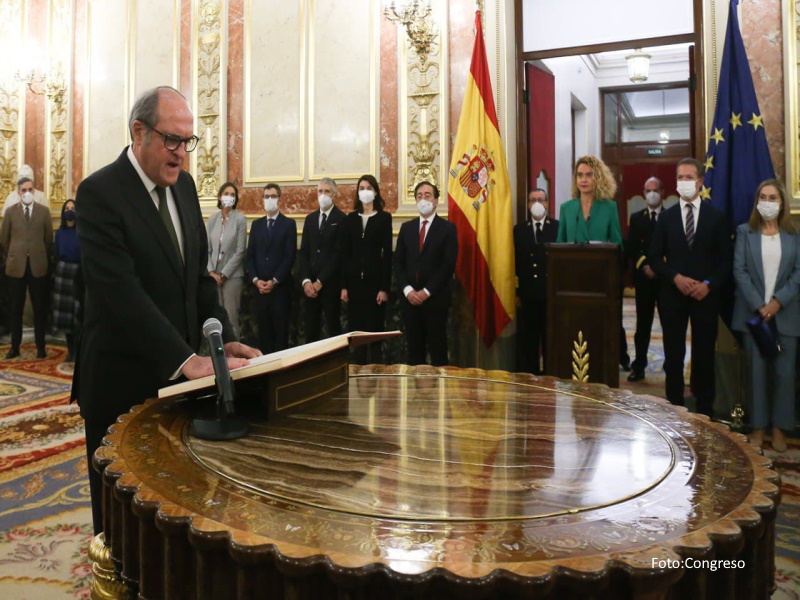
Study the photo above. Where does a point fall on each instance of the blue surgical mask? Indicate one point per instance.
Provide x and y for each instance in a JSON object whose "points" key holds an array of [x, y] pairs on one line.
{"points": [[69, 215]]}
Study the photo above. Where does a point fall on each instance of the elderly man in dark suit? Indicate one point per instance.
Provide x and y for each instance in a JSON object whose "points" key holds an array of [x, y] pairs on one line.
{"points": [[640, 233], [424, 263], [529, 251], [691, 254], [27, 238], [144, 257], [320, 264], [270, 257]]}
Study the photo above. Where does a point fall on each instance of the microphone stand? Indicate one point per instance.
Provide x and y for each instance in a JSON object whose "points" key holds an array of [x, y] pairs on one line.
{"points": [[223, 426]]}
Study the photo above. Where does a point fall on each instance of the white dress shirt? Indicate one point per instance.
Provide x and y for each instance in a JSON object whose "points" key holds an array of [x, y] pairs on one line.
{"points": [[151, 186], [770, 261], [429, 220], [695, 211]]}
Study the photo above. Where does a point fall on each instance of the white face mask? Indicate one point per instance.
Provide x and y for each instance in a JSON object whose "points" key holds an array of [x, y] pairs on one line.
{"points": [[27, 198], [538, 211], [425, 207], [270, 205], [653, 199], [227, 201], [324, 202], [769, 210], [366, 196], [687, 189]]}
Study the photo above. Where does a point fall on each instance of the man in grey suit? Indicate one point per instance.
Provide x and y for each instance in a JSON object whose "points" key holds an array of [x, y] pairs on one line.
{"points": [[27, 238]]}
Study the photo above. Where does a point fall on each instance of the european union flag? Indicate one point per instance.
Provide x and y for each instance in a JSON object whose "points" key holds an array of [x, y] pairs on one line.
{"points": [[738, 155]]}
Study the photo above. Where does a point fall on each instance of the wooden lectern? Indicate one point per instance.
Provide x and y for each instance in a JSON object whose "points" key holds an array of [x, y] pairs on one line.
{"points": [[584, 296]]}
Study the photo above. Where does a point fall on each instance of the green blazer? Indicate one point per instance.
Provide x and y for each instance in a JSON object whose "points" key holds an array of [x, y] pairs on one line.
{"points": [[602, 226]]}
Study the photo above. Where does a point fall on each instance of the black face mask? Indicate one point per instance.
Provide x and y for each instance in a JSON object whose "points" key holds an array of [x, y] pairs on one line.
{"points": [[69, 215]]}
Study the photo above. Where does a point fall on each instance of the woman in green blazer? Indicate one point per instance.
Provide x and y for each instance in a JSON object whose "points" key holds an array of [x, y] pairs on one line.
{"points": [[590, 216]]}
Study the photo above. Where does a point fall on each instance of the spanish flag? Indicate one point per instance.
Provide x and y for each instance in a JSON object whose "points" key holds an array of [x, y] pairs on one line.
{"points": [[479, 203]]}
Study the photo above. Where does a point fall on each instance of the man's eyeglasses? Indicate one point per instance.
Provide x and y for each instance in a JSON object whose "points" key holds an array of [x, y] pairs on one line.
{"points": [[172, 142]]}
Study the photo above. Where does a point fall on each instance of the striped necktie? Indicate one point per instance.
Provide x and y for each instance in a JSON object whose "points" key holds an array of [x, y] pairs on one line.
{"points": [[689, 225]]}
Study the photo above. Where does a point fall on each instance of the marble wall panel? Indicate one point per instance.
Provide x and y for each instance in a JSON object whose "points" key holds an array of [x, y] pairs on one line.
{"points": [[763, 40], [343, 89], [107, 91], [156, 44], [79, 62], [274, 88]]}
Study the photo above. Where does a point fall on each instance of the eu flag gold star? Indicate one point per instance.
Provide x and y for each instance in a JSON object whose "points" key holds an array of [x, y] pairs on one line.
{"points": [[736, 120], [705, 192], [718, 135], [709, 164], [756, 121]]}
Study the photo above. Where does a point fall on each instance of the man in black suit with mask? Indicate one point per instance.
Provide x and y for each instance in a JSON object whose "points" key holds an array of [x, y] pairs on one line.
{"points": [[424, 263], [144, 257], [691, 254], [320, 264], [640, 232], [529, 251]]}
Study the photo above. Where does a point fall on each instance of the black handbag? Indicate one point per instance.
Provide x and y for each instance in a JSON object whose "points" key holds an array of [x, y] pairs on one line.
{"points": [[765, 334]]}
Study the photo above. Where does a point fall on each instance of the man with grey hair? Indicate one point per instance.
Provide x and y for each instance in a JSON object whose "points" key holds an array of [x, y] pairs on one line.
{"points": [[144, 257], [25, 172], [320, 264]]}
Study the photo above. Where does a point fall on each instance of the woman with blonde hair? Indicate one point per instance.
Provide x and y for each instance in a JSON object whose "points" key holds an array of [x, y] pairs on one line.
{"points": [[766, 267], [591, 216]]}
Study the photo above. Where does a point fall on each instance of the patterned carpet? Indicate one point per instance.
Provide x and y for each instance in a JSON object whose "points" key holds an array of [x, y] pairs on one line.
{"points": [[45, 518]]}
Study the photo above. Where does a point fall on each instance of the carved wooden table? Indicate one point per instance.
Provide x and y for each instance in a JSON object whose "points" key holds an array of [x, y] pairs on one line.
{"points": [[442, 483]]}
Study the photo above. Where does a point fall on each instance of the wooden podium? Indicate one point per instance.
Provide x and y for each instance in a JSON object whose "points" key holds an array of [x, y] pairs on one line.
{"points": [[584, 300]]}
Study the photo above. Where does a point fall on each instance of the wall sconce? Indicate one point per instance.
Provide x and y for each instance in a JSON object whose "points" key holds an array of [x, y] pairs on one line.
{"points": [[413, 15], [638, 66], [51, 83]]}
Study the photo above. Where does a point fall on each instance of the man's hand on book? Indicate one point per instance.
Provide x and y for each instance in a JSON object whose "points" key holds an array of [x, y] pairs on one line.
{"points": [[201, 366], [237, 350]]}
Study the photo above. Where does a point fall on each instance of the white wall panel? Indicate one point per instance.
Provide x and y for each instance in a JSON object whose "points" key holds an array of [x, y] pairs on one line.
{"points": [[156, 42]]}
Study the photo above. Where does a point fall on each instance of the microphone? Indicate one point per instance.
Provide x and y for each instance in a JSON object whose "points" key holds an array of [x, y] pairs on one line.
{"points": [[212, 331], [223, 425]]}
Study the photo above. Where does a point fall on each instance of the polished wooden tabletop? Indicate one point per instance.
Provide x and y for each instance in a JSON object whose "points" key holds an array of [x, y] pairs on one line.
{"points": [[460, 469]]}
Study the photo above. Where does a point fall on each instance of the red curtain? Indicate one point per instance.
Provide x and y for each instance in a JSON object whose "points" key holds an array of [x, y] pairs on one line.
{"points": [[541, 87]]}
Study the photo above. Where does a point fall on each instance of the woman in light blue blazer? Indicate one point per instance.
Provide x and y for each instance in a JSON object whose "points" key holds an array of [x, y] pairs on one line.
{"points": [[227, 242], [767, 271]]}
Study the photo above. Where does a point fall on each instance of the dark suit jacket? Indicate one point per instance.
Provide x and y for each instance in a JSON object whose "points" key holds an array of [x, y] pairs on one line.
{"points": [[367, 253], [22, 240], [320, 251], [432, 268], [272, 254], [640, 234], [144, 310], [530, 258], [708, 260]]}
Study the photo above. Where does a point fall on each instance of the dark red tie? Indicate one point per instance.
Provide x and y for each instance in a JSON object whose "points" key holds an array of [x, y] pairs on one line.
{"points": [[422, 235]]}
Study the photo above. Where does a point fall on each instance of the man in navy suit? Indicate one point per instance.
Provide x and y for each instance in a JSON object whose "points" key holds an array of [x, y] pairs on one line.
{"points": [[529, 251], [271, 251], [320, 264], [640, 233], [691, 254], [424, 263]]}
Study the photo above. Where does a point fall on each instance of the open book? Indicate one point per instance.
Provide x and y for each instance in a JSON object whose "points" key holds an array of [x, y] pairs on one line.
{"points": [[279, 361]]}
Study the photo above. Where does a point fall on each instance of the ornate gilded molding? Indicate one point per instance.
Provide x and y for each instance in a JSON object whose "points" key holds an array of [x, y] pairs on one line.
{"points": [[791, 87], [580, 359], [105, 583], [12, 107], [423, 105], [210, 41], [58, 107]]}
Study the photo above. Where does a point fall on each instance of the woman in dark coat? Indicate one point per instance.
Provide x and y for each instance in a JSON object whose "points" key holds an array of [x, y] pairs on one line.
{"points": [[367, 265], [68, 261]]}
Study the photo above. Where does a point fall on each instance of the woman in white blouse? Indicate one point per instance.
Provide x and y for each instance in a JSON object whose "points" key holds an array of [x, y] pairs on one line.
{"points": [[227, 241], [767, 271]]}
